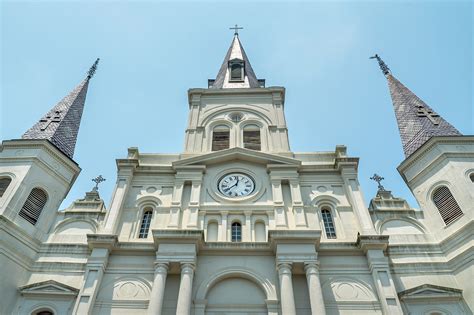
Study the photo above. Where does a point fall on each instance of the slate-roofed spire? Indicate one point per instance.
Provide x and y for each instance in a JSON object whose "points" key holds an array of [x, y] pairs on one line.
{"points": [[228, 77], [417, 122], [61, 124]]}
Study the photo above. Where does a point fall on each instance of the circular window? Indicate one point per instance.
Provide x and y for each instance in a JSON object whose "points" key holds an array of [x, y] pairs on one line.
{"points": [[236, 117], [471, 176]]}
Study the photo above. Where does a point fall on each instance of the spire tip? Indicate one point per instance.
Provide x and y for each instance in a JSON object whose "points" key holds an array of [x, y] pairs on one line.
{"points": [[92, 69], [383, 66]]}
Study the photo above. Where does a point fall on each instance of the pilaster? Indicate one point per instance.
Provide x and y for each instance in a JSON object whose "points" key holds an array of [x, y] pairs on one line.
{"points": [[374, 246], [101, 246]]}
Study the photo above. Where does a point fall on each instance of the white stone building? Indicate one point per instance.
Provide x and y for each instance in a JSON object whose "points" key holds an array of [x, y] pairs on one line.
{"points": [[237, 223]]}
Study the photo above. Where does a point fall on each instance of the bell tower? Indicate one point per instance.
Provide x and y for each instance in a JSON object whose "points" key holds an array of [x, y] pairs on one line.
{"points": [[439, 163], [236, 110]]}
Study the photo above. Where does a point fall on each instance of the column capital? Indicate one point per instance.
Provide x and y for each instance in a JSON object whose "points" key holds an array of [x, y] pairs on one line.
{"points": [[248, 213], [161, 267], [311, 267], [284, 268], [187, 267]]}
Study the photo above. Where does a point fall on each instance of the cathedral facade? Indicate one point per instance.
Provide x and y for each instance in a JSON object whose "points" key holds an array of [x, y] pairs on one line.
{"points": [[237, 223]]}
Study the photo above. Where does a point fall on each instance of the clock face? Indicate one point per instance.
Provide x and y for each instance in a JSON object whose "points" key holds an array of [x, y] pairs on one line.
{"points": [[236, 185]]}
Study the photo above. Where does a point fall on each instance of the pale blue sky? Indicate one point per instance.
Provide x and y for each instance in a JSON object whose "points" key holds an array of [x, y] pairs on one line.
{"points": [[152, 52]]}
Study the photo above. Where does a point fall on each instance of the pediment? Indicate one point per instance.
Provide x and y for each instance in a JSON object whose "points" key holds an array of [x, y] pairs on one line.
{"points": [[50, 287], [239, 154], [430, 291]]}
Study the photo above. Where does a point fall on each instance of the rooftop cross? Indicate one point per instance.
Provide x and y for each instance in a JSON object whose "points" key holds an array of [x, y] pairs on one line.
{"points": [[423, 112], [383, 66], [236, 29], [378, 179], [99, 179]]}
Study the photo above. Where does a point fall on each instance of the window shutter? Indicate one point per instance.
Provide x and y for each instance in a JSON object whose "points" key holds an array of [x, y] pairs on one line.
{"points": [[252, 139], [33, 206], [446, 204], [4, 183], [220, 140]]}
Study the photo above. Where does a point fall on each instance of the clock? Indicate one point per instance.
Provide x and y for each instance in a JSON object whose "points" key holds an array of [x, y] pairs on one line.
{"points": [[236, 185]]}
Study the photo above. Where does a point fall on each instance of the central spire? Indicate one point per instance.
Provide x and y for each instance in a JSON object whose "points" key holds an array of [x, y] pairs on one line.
{"points": [[236, 71]]}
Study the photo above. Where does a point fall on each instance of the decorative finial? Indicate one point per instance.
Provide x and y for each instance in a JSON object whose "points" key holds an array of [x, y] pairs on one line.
{"points": [[385, 69], [99, 179], [378, 179], [92, 70], [236, 29]]}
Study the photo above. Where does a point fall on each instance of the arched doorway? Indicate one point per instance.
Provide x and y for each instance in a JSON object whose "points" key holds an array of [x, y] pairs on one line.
{"points": [[236, 296]]}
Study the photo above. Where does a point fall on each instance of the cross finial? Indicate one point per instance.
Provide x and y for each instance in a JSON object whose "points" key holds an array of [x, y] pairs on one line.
{"points": [[378, 179], [383, 66], [236, 29], [99, 179], [92, 69]]}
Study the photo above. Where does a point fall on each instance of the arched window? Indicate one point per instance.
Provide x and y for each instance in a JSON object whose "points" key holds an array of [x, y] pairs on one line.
{"points": [[146, 221], [328, 223], [252, 137], [446, 204], [236, 232], [236, 72], [260, 235], [212, 231], [4, 183], [33, 205], [220, 138]]}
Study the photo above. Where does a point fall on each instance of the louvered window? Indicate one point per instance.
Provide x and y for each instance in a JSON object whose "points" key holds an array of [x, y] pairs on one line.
{"points": [[4, 183], [220, 138], [145, 226], [252, 137], [236, 232], [236, 72], [328, 223], [446, 204], [33, 206]]}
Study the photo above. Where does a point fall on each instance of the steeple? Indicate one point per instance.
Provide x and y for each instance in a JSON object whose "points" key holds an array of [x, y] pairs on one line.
{"points": [[61, 124], [236, 71], [417, 122]]}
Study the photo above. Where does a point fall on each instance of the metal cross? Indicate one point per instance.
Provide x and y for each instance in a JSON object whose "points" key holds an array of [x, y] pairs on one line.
{"points": [[236, 29], [378, 179], [423, 112], [50, 119], [99, 179], [383, 66]]}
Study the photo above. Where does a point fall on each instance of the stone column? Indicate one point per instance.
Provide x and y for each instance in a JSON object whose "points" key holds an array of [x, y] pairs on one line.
{"points": [[298, 208], [279, 209], [175, 210], [185, 289], [356, 199], [223, 237], [247, 237], [314, 287], [194, 204], [286, 289], [158, 290], [101, 245]]}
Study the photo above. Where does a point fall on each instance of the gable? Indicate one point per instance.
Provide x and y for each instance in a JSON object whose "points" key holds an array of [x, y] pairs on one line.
{"points": [[47, 288], [430, 291], [241, 154]]}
